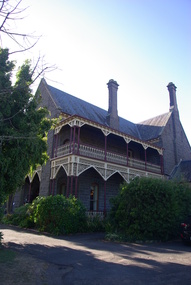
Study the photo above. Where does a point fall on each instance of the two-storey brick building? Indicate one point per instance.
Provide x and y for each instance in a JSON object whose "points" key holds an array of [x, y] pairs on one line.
{"points": [[92, 151]]}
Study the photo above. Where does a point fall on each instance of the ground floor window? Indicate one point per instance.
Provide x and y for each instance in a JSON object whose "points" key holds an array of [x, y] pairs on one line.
{"points": [[94, 197], [62, 189]]}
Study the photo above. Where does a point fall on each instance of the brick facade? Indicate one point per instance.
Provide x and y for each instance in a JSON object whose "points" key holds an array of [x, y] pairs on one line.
{"points": [[118, 150], [175, 143]]}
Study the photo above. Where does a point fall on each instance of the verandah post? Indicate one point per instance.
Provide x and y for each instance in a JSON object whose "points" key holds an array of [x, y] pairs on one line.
{"points": [[145, 159], [78, 140], [74, 139], [76, 186], [105, 148], [104, 198], [68, 183], [127, 154], [71, 188], [71, 131]]}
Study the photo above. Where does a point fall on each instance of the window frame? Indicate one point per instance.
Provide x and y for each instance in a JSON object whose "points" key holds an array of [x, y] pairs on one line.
{"points": [[94, 200]]}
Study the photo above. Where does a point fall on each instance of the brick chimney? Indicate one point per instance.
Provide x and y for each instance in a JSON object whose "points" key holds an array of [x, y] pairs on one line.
{"points": [[172, 94], [112, 115], [175, 120]]}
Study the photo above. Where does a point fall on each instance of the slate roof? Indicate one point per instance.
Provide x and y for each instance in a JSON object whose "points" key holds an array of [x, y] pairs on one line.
{"points": [[71, 105], [182, 171], [74, 106]]}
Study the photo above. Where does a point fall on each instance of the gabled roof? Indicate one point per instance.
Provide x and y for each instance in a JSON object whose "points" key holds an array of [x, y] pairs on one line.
{"points": [[72, 105], [182, 171], [153, 128], [147, 130]]}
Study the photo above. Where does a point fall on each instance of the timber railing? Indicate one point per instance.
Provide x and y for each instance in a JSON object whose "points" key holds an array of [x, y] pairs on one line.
{"points": [[93, 214], [96, 153]]}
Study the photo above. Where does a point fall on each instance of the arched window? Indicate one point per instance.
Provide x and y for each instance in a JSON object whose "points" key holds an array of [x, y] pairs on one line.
{"points": [[94, 197]]}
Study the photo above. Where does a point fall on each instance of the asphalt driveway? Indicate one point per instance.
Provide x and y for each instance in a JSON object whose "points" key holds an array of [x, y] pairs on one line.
{"points": [[89, 259]]}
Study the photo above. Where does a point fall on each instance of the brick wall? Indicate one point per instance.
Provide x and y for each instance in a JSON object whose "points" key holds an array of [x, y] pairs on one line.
{"points": [[92, 136], [46, 101], [175, 143], [112, 188], [91, 176]]}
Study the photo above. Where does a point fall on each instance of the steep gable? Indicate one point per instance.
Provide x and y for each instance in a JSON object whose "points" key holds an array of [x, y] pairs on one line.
{"points": [[153, 128]]}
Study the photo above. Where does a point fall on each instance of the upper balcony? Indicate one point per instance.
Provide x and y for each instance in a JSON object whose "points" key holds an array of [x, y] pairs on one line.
{"points": [[100, 154]]}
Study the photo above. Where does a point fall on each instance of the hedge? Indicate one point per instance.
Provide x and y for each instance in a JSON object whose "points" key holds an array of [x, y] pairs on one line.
{"points": [[149, 209]]}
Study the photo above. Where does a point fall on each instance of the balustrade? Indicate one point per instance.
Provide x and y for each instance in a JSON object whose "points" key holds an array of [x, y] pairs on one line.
{"points": [[91, 152], [62, 150], [93, 214], [96, 153]]}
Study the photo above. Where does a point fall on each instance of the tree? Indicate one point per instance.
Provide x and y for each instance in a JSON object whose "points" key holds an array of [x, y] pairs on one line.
{"points": [[10, 13], [23, 127]]}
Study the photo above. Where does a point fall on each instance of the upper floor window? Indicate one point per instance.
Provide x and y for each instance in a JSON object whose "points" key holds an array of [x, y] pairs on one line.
{"points": [[94, 197]]}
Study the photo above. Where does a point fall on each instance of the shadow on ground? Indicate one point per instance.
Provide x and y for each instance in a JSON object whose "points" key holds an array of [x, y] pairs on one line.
{"points": [[88, 259]]}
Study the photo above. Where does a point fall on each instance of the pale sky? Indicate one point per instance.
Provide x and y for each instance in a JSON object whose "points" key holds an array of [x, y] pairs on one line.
{"points": [[142, 44]]}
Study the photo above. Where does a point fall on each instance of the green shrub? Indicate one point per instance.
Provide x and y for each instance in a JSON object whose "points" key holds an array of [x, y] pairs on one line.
{"points": [[60, 215], [149, 209], [54, 214], [96, 224], [21, 217]]}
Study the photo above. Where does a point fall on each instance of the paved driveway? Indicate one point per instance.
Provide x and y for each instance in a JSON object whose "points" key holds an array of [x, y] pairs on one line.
{"points": [[88, 259]]}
